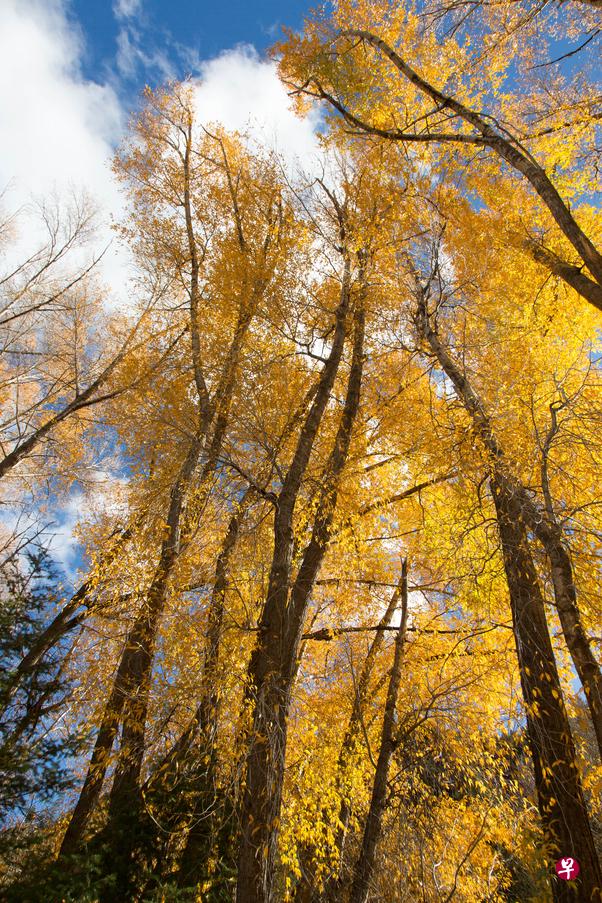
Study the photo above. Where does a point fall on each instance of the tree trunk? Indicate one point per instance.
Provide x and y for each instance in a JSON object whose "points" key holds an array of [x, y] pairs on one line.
{"points": [[562, 809], [507, 149], [125, 803], [364, 867], [332, 890], [274, 661], [97, 769], [571, 274], [125, 800], [197, 851], [539, 519], [572, 628]]}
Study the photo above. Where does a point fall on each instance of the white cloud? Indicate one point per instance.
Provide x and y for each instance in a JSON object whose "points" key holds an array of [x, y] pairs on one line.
{"points": [[126, 9], [58, 525], [132, 55], [104, 493], [127, 54], [58, 128], [244, 93], [64, 546]]}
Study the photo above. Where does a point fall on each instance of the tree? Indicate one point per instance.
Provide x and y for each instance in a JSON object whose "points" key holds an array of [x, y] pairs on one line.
{"points": [[53, 365], [388, 358], [34, 751], [364, 867], [353, 81]]}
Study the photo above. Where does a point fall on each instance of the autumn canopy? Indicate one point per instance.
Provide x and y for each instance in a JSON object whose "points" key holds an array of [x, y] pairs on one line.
{"points": [[336, 631]]}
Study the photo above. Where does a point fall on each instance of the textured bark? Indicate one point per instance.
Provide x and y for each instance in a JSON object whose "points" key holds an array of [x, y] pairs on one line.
{"points": [[275, 659], [562, 809], [364, 867], [306, 888], [181, 787], [201, 830], [571, 274], [487, 135], [574, 633], [540, 520], [126, 800], [142, 639]]}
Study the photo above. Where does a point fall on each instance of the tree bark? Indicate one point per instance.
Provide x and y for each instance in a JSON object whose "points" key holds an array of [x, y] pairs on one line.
{"points": [[571, 274], [561, 804], [332, 890], [197, 850], [508, 150], [143, 633], [126, 802], [364, 867], [274, 661], [540, 520]]}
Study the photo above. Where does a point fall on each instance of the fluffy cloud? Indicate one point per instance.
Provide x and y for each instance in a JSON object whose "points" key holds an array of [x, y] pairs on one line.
{"points": [[58, 129], [243, 92]]}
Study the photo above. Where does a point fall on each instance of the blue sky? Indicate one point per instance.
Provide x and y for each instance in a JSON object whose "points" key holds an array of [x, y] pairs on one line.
{"points": [[206, 28], [178, 35]]}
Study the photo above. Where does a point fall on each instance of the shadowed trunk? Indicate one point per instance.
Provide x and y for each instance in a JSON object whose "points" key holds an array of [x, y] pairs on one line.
{"points": [[561, 805], [142, 637], [99, 761], [571, 274], [195, 858], [562, 809], [364, 867], [125, 800], [126, 784], [539, 518], [306, 889], [274, 661]]}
